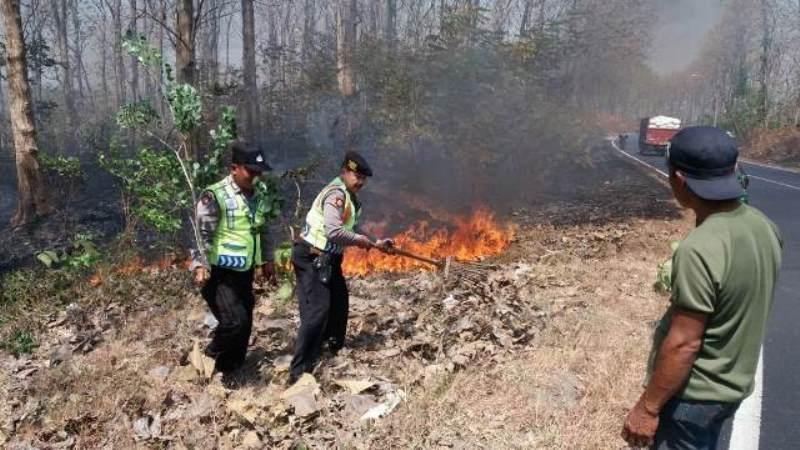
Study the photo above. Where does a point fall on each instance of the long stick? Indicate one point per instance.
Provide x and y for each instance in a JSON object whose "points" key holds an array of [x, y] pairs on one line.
{"points": [[401, 252]]}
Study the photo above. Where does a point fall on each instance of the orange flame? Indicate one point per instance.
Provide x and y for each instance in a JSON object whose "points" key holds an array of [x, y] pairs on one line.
{"points": [[473, 238]]}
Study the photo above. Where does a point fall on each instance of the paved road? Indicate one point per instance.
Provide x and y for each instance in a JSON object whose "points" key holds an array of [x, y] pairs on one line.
{"points": [[776, 193]]}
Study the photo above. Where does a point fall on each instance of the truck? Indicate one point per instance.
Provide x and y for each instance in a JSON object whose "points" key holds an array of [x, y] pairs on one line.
{"points": [[655, 133]]}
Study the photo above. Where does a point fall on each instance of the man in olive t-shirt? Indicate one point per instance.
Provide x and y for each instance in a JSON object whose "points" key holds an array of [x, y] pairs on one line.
{"points": [[706, 348]]}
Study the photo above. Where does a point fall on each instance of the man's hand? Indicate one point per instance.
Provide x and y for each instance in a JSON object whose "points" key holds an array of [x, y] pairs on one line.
{"points": [[385, 245], [201, 275], [640, 426], [267, 273]]}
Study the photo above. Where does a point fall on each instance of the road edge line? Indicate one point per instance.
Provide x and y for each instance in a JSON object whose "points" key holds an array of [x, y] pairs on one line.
{"points": [[746, 429], [626, 154], [769, 166], [767, 180]]}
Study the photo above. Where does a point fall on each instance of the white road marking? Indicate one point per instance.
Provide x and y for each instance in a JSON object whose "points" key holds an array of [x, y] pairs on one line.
{"points": [[769, 166], [767, 180], [754, 177], [746, 431], [624, 153], [747, 421]]}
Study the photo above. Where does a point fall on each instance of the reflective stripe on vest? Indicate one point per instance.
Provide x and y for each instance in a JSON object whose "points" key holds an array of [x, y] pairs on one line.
{"points": [[314, 228], [237, 240]]}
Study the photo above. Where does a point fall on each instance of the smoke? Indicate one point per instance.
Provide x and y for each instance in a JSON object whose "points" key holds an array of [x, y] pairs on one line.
{"points": [[681, 27]]}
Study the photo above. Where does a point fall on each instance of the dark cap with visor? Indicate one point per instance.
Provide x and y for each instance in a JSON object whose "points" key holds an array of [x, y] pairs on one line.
{"points": [[355, 162], [249, 156], [706, 156]]}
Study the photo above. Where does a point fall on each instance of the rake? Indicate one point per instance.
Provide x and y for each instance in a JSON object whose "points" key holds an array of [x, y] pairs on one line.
{"points": [[473, 272]]}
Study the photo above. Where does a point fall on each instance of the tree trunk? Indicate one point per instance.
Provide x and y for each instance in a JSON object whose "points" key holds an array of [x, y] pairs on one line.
{"points": [[60, 16], [134, 62], [250, 76], [542, 17], [345, 46], [149, 24], [287, 41], [103, 63], [211, 42], [346, 13], [228, 47], [272, 44], [32, 201], [163, 14], [185, 63], [308, 29], [766, 44], [390, 30], [524, 23], [119, 66], [2, 118], [38, 70], [76, 24]]}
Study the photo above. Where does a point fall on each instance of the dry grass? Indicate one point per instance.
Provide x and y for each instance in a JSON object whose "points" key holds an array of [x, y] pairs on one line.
{"points": [[778, 146], [568, 388], [572, 388]]}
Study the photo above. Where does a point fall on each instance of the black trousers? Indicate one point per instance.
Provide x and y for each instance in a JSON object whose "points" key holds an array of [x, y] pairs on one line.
{"points": [[323, 309], [229, 295]]}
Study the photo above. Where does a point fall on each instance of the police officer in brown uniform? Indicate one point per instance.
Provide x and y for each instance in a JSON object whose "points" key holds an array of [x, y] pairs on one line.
{"points": [[331, 225]]}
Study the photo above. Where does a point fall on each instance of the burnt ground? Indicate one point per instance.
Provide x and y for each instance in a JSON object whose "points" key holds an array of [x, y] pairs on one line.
{"points": [[92, 210], [544, 349]]}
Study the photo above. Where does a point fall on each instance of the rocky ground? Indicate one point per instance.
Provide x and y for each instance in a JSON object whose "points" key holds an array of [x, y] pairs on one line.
{"points": [[544, 349]]}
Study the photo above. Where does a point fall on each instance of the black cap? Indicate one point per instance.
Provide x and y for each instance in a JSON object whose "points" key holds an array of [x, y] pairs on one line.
{"points": [[707, 157], [249, 156], [355, 162]]}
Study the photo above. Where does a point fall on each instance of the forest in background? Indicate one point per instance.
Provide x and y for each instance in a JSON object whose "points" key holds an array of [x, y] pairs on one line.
{"points": [[480, 90]]}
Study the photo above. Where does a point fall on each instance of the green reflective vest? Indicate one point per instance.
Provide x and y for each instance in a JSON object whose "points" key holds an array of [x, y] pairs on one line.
{"points": [[237, 240], [314, 228]]}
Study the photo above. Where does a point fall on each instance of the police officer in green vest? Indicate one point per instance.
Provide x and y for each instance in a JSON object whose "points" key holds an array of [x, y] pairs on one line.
{"points": [[231, 219], [331, 225]]}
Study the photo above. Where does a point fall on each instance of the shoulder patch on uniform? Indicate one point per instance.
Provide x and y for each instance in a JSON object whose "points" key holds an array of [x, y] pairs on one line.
{"points": [[206, 198], [339, 202]]}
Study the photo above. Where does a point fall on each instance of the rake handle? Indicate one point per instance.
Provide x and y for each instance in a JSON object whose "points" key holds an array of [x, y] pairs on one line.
{"points": [[407, 254]]}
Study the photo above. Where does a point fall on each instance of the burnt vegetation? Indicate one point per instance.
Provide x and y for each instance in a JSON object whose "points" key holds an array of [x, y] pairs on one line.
{"points": [[114, 113]]}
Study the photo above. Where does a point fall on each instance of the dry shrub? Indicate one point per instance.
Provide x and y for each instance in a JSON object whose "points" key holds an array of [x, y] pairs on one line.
{"points": [[779, 146]]}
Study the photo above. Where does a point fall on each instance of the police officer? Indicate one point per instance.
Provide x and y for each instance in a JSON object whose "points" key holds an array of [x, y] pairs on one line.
{"points": [[231, 219], [331, 225]]}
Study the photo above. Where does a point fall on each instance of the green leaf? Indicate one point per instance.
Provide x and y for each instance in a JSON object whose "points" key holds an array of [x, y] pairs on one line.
{"points": [[286, 290], [48, 258]]}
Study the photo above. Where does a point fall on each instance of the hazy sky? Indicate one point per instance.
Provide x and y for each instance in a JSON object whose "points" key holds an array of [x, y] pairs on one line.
{"points": [[680, 29]]}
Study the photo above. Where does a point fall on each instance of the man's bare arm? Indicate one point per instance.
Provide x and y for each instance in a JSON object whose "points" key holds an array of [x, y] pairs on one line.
{"points": [[675, 358]]}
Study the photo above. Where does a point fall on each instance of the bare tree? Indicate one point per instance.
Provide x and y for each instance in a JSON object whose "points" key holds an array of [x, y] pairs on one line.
{"points": [[132, 30], [32, 201], [390, 27], [119, 60], [60, 17], [252, 112], [309, 23], [764, 67], [2, 117], [184, 51], [346, 32], [210, 40], [524, 22]]}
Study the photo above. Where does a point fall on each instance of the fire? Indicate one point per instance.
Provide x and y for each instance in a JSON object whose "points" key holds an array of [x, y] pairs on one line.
{"points": [[473, 238], [137, 265]]}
